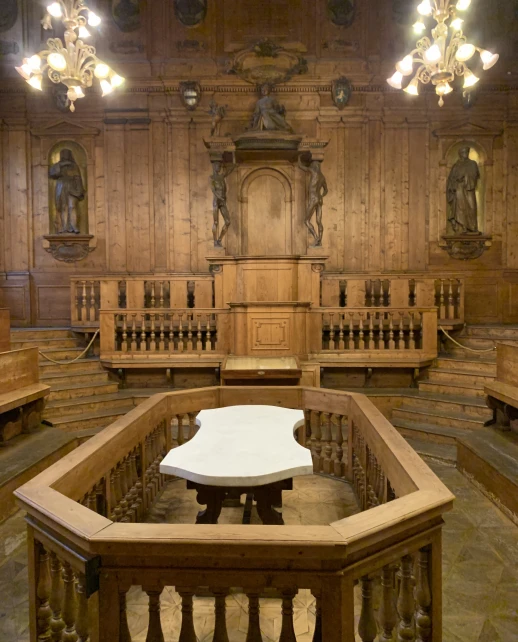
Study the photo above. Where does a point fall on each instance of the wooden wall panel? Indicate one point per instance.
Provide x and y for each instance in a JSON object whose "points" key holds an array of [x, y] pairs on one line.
{"points": [[354, 184], [159, 193], [417, 197], [180, 259], [375, 206], [138, 226], [17, 232], [512, 195], [116, 246]]}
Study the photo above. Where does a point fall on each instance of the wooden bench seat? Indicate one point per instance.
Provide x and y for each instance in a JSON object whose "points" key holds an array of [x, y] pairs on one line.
{"points": [[23, 397], [502, 391], [502, 394]]}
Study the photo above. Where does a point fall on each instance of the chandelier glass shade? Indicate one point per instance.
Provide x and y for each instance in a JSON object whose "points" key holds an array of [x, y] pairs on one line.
{"points": [[439, 59], [73, 63]]}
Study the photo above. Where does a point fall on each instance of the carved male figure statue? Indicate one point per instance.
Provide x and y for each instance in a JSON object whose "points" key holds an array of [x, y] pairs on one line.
{"points": [[217, 112], [69, 191], [219, 203], [460, 193], [269, 114], [317, 192]]}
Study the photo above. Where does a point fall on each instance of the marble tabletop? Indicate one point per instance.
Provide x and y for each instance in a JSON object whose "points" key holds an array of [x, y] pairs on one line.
{"points": [[241, 446]]}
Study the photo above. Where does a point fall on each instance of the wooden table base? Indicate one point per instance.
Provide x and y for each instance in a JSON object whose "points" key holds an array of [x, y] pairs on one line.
{"points": [[266, 496]]}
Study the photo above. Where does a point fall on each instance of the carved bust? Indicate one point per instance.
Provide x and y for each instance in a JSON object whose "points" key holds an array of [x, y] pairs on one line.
{"points": [[269, 115]]}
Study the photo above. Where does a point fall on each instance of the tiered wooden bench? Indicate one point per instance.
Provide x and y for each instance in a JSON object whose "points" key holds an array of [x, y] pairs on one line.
{"points": [[502, 394], [22, 397]]}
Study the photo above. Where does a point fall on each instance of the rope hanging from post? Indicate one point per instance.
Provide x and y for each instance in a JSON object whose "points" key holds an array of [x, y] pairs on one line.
{"points": [[466, 347], [67, 363]]}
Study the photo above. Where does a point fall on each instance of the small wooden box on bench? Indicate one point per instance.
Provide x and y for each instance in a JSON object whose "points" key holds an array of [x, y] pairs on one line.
{"points": [[22, 397]]}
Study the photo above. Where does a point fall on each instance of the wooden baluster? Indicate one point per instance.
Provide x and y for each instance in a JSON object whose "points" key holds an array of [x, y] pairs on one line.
{"points": [[56, 598], [323, 325], [405, 602], [411, 338], [187, 633], [120, 483], [336, 466], [189, 332], [220, 624], [69, 604], [367, 628], [423, 598], [199, 346], [143, 342], [181, 434], [328, 449], [91, 311], [161, 344], [192, 425], [287, 630], [82, 623], [392, 343], [128, 485], [389, 294], [77, 300], [350, 346], [341, 342], [180, 333], [161, 301], [458, 299], [170, 346], [139, 499], [43, 590], [331, 331], [401, 341], [371, 331], [254, 629], [381, 336], [387, 610], [124, 337], [83, 302], [91, 501], [361, 342], [316, 435], [152, 336], [442, 309], [154, 630], [317, 634], [153, 294], [124, 632], [208, 335], [451, 307], [133, 333], [114, 515]]}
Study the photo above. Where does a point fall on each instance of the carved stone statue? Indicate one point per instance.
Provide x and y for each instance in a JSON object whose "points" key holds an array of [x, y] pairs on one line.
{"points": [[317, 192], [218, 186], [269, 114], [461, 196], [69, 191], [217, 112]]}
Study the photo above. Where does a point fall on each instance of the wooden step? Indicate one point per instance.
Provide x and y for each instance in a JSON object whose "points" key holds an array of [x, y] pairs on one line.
{"points": [[464, 377], [455, 405], [91, 420], [56, 379], [428, 431], [46, 344], [22, 334], [81, 365], [68, 407], [81, 390], [486, 365], [61, 354], [452, 388], [500, 332], [448, 419], [440, 452]]}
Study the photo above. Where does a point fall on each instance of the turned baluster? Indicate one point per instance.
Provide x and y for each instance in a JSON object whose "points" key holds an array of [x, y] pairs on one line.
{"points": [[180, 333], [133, 333], [336, 464], [387, 610], [139, 500], [361, 342], [124, 632], [143, 341], [442, 309], [133, 509], [120, 485], [451, 308], [115, 511], [192, 425], [392, 343], [152, 335], [411, 339], [128, 485], [161, 344], [341, 342], [91, 501], [187, 633], [161, 300], [331, 331], [405, 602], [328, 449], [56, 598], [389, 294], [367, 628], [458, 299], [208, 334], [381, 337], [317, 633], [220, 624], [124, 342], [82, 623], [287, 630], [254, 629], [181, 434], [423, 619], [83, 301], [77, 301], [199, 345], [154, 631], [401, 341], [316, 435], [148, 473], [153, 297], [371, 331], [91, 311], [350, 345], [69, 604], [189, 332]]}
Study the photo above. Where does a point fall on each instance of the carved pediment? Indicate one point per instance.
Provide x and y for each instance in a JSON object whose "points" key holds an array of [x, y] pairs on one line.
{"points": [[267, 62], [64, 127], [466, 129]]}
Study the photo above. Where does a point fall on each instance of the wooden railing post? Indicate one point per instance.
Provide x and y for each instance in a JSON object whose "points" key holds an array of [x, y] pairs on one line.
{"points": [[429, 332], [337, 601]]}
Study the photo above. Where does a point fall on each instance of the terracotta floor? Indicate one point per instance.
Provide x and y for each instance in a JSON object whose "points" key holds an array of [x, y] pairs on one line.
{"points": [[480, 568]]}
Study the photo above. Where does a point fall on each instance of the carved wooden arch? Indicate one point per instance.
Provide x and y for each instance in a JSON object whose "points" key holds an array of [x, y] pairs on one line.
{"points": [[247, 210]]}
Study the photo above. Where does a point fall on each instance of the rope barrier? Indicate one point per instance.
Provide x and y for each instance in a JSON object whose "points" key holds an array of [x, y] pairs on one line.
{"points": [[67, 363], [466, 347]]}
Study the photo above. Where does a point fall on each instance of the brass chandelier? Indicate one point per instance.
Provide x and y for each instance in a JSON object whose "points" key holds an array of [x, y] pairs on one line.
{"points": [[442, 57], [75, 63]]}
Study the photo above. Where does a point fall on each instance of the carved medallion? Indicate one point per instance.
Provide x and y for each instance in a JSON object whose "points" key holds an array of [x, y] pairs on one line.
{"points": [[191, 94], [69, 247], [8, 14], [341, 91], [190, 12], [126, 14], [465, 247], [341, 12], [267, 63]]}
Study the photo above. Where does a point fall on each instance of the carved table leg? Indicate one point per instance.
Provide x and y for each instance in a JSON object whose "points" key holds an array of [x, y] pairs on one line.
{"points": [[213, 497], [267, 497]]}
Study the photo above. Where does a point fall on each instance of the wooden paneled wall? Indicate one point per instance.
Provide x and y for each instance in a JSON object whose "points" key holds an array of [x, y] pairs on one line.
{"points": [[150, 204]]}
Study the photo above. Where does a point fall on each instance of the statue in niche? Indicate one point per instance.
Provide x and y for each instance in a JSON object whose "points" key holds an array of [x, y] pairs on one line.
{"points": [[317, 191], [8, 14], [341, 12], [269, 115], [218, 112], [218, 186], [126, 14], [190, 12], [461, 196], [69, 191]]}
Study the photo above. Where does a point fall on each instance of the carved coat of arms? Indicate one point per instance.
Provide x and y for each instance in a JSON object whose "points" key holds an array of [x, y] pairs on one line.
{"points": [[341, 91], [126, 14], [190, 12], [341, 12]]}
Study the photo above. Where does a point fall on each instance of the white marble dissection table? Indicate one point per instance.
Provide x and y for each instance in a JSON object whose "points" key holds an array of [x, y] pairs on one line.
{"points": [[244, 449]]}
